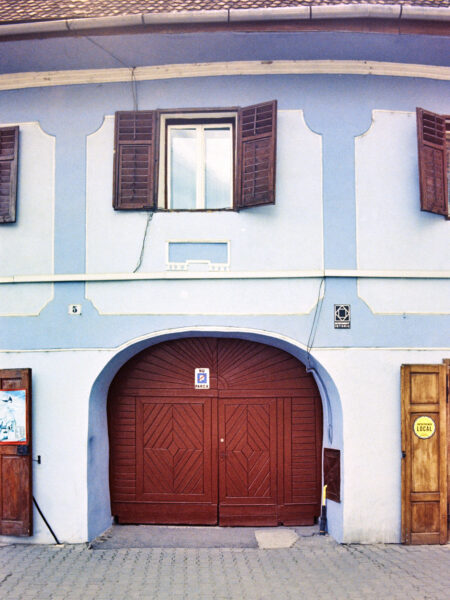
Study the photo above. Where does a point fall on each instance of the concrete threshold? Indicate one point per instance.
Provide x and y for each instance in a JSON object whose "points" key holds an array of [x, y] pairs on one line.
{"points": [[166, 536]]}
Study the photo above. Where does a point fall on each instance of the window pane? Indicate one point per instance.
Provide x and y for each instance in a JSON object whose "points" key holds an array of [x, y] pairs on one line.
{"points": [[183, 168], [218, 168]]}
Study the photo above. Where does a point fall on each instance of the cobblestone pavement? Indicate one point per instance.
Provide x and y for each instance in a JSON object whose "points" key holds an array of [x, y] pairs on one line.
{"points": [[315, 567]]}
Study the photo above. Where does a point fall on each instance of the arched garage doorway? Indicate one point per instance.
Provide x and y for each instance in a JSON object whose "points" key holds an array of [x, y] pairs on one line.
{"points": [[245, 451]]}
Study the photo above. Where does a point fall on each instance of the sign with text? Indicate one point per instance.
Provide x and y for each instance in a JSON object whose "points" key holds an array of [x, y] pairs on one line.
{"points": [[424, 427], [202, 379]]}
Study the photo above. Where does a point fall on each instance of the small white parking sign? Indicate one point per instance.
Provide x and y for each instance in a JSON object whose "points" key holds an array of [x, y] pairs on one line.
{"points": [[202, 379]]}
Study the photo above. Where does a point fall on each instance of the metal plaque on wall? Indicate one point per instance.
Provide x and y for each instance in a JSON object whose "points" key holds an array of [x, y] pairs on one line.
{"points": [[342, 316]]}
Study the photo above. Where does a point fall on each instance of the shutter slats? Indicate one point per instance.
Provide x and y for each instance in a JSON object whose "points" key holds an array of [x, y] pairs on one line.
{"points": [[431, 134], [9, 147], [256, 155], [134, 160]]}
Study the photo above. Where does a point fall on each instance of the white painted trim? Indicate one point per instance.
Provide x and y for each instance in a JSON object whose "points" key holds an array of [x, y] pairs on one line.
{"points": [[194, 329], [11, 81], [184, 266], [160, 275]]}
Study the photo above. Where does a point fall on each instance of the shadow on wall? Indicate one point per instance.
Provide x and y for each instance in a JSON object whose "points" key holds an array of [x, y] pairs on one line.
{"points": [[99, 509]]}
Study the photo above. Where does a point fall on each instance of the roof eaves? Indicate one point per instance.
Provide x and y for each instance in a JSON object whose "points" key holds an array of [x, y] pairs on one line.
{"points": [[331, 11]]}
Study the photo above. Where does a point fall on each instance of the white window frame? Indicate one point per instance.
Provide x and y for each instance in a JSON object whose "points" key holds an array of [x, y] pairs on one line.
{"points": [[164, 200]]}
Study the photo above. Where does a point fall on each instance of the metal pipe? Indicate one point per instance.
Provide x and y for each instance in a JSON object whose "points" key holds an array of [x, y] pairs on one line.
{"points": [[46, 522]]}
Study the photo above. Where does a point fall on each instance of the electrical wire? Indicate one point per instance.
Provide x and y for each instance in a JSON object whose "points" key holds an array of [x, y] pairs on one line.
{"points": [[134, 92], [141, 256], [312, 333]]}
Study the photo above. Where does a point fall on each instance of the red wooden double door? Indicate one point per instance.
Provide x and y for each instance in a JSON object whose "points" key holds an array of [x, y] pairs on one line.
{"points": [[246, 451]]}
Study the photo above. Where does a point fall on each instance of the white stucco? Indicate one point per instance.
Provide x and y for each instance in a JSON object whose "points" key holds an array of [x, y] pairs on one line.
{"points": [[261, 238], [218, 297], [26, 247], [60, 396], [399, 296], [392, 231], [369, 389]]}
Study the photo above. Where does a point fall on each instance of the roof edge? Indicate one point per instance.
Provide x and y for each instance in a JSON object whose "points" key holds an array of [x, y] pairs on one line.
{"points": [[344, 11]]}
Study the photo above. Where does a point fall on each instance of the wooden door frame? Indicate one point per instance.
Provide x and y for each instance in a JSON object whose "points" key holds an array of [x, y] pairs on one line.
{"points": [[446, 362]]}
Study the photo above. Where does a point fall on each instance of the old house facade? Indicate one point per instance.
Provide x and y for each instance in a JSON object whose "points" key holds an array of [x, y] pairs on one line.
{"points": [[223, 230]]}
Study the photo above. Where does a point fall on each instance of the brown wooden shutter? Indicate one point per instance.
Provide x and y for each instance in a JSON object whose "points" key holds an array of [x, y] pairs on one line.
{"points": [[134, 172], [432, 162], [256, 152], [424, 454], [16, 510], [9, 145], [332, 473]]}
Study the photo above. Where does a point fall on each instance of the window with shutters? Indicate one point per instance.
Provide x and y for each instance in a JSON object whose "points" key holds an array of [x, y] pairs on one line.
{"points": [[206, 159], [433, 132], [9, 146]]}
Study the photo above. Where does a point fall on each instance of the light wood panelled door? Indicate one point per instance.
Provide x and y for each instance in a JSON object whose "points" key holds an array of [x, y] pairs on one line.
{"points": [[424, 454]]}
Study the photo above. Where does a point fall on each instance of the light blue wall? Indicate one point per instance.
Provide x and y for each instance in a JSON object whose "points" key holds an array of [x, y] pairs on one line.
{"points": [[336, 107], [90, 52], [338, 112]]}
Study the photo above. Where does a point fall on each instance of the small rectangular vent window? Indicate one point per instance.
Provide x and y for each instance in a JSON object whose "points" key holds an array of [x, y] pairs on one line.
{"points": [[205, 256]]}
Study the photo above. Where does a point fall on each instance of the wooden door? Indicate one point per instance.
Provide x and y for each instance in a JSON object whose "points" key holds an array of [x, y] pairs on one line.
{"points": [[446, 362], [163, 445], [164, 436], [174, 460], [16, 510], [248, 461], [424, 454]]}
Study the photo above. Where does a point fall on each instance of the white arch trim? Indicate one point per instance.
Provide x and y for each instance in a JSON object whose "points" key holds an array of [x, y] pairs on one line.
{"points": [[12, 81]]}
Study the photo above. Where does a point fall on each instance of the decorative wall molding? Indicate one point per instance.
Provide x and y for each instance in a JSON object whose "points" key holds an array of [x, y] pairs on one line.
{"points": [[173, 275], [12, 81]]}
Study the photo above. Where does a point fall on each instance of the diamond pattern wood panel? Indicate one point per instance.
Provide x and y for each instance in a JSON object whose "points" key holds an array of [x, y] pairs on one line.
{"points": [[247, 435], [173, 448], [166, 436]]}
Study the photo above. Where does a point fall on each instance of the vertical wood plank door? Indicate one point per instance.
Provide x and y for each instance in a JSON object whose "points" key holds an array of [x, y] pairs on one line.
{"points": [[168, 463], [424, 452], [16, 509]]}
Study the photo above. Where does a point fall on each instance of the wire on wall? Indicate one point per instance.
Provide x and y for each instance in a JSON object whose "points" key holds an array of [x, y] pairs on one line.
{"points": [[134, 89], [309, 368], [312, 333], [134, 93], [141, 256]]}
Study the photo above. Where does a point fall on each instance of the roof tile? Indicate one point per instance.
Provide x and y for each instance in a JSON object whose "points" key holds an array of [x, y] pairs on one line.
{"points": [[12, 11]]}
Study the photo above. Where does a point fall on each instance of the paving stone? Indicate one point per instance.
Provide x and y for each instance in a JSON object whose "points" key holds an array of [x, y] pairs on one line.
{"points": [[314, 567], [275, 537]]}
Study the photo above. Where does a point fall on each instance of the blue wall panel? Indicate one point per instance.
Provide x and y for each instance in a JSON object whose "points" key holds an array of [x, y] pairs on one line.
{"points": [[336, 107]]}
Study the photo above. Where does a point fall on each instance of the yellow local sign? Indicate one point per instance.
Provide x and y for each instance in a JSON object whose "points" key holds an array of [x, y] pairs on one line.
{"points": [[424, 427]]}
